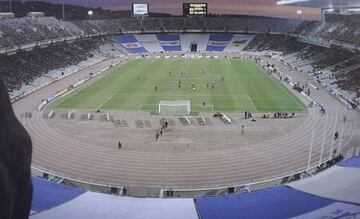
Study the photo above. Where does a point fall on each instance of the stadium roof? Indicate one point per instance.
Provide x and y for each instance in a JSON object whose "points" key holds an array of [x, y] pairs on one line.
{"points": [[322, 3]]}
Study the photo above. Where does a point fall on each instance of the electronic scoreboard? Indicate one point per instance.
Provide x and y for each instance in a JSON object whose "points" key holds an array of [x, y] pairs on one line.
{"points": [[195, 9]]}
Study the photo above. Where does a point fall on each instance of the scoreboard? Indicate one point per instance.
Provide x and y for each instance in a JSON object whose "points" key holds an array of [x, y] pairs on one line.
{"points": [[140, 9], [195, 9]]}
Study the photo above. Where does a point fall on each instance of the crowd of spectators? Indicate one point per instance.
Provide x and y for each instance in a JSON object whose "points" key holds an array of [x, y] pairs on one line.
{"points": [[152, 24], [321, 57], [173, 23], [25, 66], [20, 31], [216, 23], [331, 57], [194, 23], [343, 28], [342, 65], [275, 42], [24, 30], [350, 81]]}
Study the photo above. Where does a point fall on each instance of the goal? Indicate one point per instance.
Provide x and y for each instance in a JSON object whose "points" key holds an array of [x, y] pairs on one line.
{"points": [[174, 107]]}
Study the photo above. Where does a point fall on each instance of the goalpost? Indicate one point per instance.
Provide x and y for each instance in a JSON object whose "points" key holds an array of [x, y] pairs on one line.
{"points": [[174, 107]]}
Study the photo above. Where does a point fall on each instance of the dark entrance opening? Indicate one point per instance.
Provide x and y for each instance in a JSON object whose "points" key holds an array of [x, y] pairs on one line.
{"points": [[193, 47]]}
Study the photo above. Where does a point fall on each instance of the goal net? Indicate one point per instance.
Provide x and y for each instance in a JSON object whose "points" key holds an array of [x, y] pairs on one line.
{"points": [[174, 107]]}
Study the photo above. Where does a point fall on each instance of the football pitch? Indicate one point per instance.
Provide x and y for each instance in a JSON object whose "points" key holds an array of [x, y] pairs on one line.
{"points": [[223, 85]]}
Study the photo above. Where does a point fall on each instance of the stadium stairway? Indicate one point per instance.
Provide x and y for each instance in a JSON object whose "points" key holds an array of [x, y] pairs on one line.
{"points": [[337, 196], [199, 39], [149, 42]]}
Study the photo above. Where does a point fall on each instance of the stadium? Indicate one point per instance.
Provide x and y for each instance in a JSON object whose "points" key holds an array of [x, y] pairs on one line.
{"points": [[152, 115]]}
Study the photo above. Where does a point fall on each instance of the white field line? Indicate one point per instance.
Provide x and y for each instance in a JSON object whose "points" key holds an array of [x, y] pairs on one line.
{"points": [[286, 91], [253, 104], [146, 95], [139, 109], [207, 106], [282, 87], [105, 101]]}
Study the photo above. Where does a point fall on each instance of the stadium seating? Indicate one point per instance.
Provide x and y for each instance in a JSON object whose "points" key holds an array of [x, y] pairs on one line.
{"points": [[345, 29], [24, 30], [217, 42], [216, 23], [26, 63], [28, 69], [130, 43], [149, 42], [335, 68], [152, 24], [238, 42], [169, 42], [175, 24], [199, 39], [193, 23]]}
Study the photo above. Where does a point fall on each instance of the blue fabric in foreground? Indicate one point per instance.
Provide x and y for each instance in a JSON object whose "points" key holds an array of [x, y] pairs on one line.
{"points": [[351, 162], [278, 202], [47, 194]]}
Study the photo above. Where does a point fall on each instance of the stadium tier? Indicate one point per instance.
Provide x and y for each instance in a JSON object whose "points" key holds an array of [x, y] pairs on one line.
{"points": [[22, 34], [184, 42], [203, 117]]}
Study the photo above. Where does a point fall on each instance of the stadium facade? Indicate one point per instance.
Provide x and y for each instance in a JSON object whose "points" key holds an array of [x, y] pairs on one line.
{"points": [[324, 56]]}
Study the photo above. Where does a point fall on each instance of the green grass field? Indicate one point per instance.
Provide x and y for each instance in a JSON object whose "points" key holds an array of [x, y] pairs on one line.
{"points": [[246, 87]]}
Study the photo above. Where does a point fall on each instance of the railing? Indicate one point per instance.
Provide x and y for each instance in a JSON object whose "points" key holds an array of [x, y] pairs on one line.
{"points": [[177, 191]]}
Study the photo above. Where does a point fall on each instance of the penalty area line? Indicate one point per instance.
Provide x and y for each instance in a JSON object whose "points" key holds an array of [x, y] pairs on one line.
{"points": [[109, 98], [252, 103]]}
